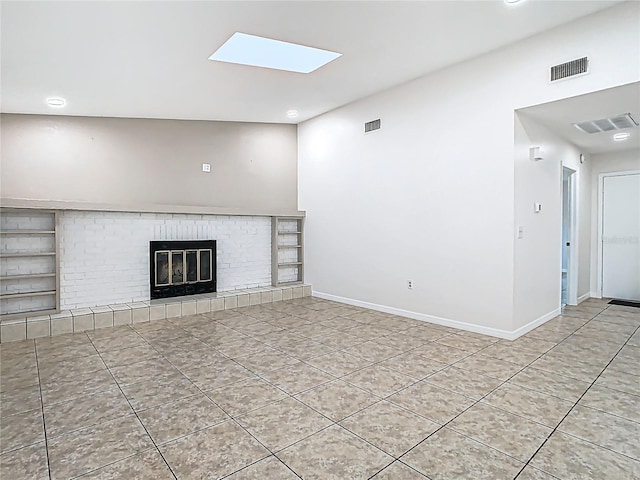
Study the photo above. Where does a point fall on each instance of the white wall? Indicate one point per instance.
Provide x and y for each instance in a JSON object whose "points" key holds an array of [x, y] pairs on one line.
{"points": [[430, 196], [605, 163], [538, 255]]}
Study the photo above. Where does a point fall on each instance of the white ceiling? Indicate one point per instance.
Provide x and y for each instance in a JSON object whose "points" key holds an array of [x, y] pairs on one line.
{"points": [[560, 116], [150, 59]]}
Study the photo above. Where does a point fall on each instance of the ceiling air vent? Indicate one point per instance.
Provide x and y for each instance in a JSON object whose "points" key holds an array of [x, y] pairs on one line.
{"points": [[371, 126], [569, 69], [618, 122]]}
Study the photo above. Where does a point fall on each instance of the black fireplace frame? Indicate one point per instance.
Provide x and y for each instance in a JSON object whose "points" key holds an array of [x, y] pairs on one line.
{"points": [[183, 288]]}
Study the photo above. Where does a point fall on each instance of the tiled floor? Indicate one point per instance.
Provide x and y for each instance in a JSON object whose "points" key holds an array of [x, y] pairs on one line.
{"points": [[318, 390]]}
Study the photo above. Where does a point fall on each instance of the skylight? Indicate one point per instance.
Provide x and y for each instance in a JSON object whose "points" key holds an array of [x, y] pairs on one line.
{"points": [[264, 52]]}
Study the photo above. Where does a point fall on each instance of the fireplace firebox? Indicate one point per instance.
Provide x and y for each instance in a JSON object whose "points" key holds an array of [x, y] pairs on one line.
{"points": [[182, 268]]}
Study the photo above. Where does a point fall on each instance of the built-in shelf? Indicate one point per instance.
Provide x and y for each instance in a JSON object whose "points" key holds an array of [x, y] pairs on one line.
{"points": [[27, 232], [287, 264], [28, 294], [19, 230], [23, 254], [6, 278]]}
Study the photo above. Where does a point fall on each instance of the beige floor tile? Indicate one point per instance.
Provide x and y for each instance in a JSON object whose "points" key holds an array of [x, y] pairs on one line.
{"points": [[459, 381], [85, 450], [559, 365], [159, 390], [530, 404], [622, 381], [442, 353], [245, 396], [306, 350], [221, 450], [85, 411], [566, 388], [218, 375], [613, 401], [413, 365], [389, 427], [182, 417], [570, 458], [21, 430], [337, 399], [491, 368], [440, 457], [398, 471], [266, 360], [141, 371], [530, 473], [610, 431], [126, 356], [433, 402], [372, 351], [338, 363], [334, 454], [20, 400], [28, 463], [379, 380], [269, 468], [297, 378], [76, 386], [147, 465], [509, 353], [283, 423], [511, 434], [67, 370]]}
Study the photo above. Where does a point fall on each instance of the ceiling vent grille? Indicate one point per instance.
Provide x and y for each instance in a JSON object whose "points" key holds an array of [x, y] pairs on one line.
{"points": [[618, 122], [371, 126], [569, 69]]}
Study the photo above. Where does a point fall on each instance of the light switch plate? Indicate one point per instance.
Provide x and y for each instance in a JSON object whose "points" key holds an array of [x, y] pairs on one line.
{"points": [[206, 167]]}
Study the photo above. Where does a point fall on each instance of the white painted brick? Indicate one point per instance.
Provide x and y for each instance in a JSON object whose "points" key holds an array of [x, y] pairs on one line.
{"points": [[104, 256]]}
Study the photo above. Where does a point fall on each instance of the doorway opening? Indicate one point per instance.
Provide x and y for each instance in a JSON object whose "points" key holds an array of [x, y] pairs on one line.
{"points": [[568, 269], [619, 235]]}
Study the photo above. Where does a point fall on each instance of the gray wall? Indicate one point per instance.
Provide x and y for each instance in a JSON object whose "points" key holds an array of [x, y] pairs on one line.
{"points": [[131, 162]]}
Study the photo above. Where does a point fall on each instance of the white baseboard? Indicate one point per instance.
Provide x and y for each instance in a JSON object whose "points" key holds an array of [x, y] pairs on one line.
{"points": [[494, 332], [595, 295], [535, 323], [584, 297]]}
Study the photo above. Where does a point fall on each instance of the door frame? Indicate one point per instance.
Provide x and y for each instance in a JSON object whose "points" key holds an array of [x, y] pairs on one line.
{"points": [[572, 237], [601, 178]]}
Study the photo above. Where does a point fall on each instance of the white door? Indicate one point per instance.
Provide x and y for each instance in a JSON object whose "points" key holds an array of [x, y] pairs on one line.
{"points": [[621, 237]]}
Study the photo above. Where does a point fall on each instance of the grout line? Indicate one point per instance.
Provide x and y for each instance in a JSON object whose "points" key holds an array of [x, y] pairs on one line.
{"points": [[44, 420]]}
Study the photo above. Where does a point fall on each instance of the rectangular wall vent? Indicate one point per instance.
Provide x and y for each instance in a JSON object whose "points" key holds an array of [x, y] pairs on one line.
{"points": [[569, 69], [371, 126], [618, 122]]}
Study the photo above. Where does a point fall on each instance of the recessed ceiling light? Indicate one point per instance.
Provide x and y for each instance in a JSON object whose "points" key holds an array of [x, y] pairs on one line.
{"points": [[511, 2], [292, 113], [619, 137], [256, 51], [56, 102]]}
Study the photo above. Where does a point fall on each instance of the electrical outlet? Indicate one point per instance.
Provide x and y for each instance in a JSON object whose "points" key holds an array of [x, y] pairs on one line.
{"points": [[206, 167], [410, 284]]}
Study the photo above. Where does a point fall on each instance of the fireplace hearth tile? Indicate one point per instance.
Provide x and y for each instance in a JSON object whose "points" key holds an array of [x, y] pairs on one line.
{"points": [[297, 292], [82, 323], [61, 325], [277, 295], [287, 293], [140, 315], [306, 290], [174, 310], [13, 331], [243, 300], [203, 305], [255, 299], [39, 328], [103, 319], [157, 312], [230, 302], [189, 308], [217, 304], [266, 297]]}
